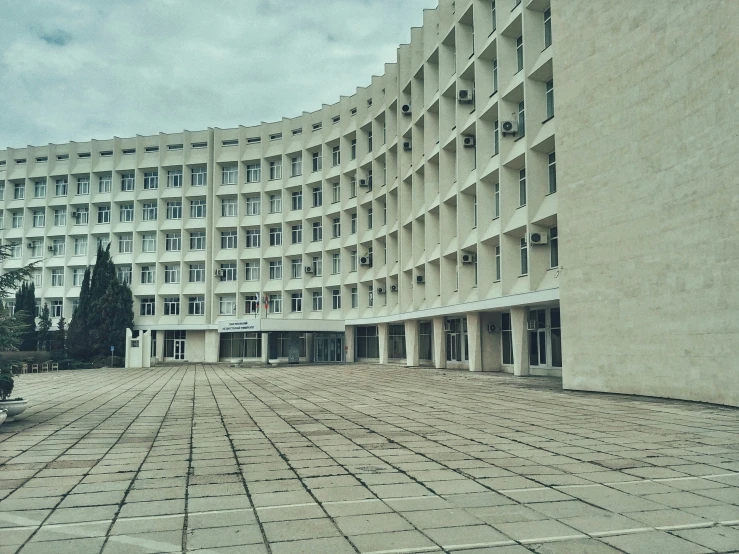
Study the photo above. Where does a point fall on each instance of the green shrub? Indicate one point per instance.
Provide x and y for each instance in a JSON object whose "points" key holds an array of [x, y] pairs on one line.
{"points": [[6, 383]]}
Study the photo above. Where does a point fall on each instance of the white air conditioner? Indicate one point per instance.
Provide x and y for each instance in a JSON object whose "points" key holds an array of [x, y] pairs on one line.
{"points": [[406, 109], [380, 290], [532, 325], [74, 214], [539, 238], [465, 96], [51, 249], [468, 142], [509, 128], [419, 279], [365, 260], [308, 269], [492, 328], [363, 183], [406, 146], [468, 258], [394, 288], [219, 273], [30, 245], [447, 326]]}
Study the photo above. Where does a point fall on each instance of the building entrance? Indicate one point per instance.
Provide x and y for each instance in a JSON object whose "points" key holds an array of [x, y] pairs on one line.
{"points": [[545, 338], [328, 347], [174, 345]]}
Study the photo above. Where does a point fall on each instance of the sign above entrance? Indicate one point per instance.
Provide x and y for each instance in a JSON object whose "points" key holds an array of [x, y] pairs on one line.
{"points": [[243, 326]]}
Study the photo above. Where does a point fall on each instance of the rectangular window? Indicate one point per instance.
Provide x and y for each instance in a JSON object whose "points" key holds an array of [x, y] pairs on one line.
{"points": [[297, 233], [497, 262], [354, 224], [124, 273], [496, 200], [57, 277], [336, 192], [547, 28], [317, 301], [297, 200], [125, 244], [522, 187], [251, 304], [80, 246], [519, 53], [196, 305], [147, 275], [229, 175], [81, 216], [228, 207], [317, 231], [56, 309], [197, 240], [275, 203], [369, 141], [126, 213], [253, 173], [353, 187], [174, 179], [172, 274], [494, 15], [128, 182], [19, 191], [317, 266], [335, 264], [197, 209], [550, 98], [275, 170], [296, 166], [353, 261], [553, 248], [199, 176], [172, 305], [151, 180], [17, 220], [296, 266], [229, 272], [253, 239], [496, 138], [275, 270], [369, 218], [37, 248], [335, 156], [317, 196], [228, 239], [103, 214], [316, 159], [39, 189], [174, 210], [524, 257], [370, 297], [355, 298], [60, 188], [39, 218], [521, 119], [552, 173], [227, 304], [506, 337], [16, 249], [58, 246], [336, 227], [197, 273], [173, 242], [149, 211], [60, 216], [149, 242], [253, 205], [354, 149], [474, 211], [336, 299], [275, 236], [296, 302], [105, 183], [275, 303], [251, 271], [83, 185], [77, 277]]}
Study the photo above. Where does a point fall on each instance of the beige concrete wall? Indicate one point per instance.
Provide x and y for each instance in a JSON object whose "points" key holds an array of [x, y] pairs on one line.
{"points": [[648, 167]]}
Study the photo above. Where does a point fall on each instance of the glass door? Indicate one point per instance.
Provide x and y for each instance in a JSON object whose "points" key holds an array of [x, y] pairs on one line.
{"points": [[538, 337], [179, 349]]}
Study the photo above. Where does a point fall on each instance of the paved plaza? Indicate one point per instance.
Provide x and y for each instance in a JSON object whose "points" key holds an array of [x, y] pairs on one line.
{"points": [[360, 458]]}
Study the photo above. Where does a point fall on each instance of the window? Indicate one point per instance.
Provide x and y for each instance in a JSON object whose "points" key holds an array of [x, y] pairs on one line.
{"points": [[297, 233], [353, 187], [354, 224], [173, 242], [252, 238], [296, 302], [354, 149], [147, 275], [227, 304], [550, 98], [495, 23], [37, 248], [196, 305], [317, 196], [552, 173], [521, 119], [519, 53], [59, 247], [253, 173], [39, 189], [2, 185], [316, 159], [496, 138], [197, 273], [317, 301], [197, 240], [275, 170], [524, 257], [335, 156], [317, 231], [124, 274], [353, 261], [105, 183], [297, 200], [317, 266], [15, 249], [60, 188], [19, 191], [151, 180], [251, 271], [60, 216], [56, 308], [275, 270], [172, 305], [228, 207], [369, 180], [553, 248], [147, 306], [474, 211], [355, 298], [547, 28], [336, 192], [17, 220], [336, 227], [335, 264], [369, 218], [78, 275], [80, 246], [253, 205], [104, 214], [228, 271], [39, 218], [128, 181], [174, 179], [495, 75], [369, 141], [81, 215], [125, 244], [336, 299], [199, 145], [296, 166], [275, 236], [197, 209], [103, 242], [174, 210], [229, 175], [275, 303], [172, 274], [228, 239], [275, 203], [148, 242], [496, 200], [126, 213], [370, 297], [522, 187], [83, 185], [295, 267], [57, 277], [199, 176], [506, 337], [251, 305], [149, 211]]}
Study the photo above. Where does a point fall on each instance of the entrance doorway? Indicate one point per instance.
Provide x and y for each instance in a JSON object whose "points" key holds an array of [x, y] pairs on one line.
{"points": [[328, 347], [545, 338], [174, 345]]}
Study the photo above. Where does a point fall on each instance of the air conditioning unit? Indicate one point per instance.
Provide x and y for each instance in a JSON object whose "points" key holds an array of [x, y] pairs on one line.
{"points": [[539, 238], [394, 288], [51, 249], [308, 269], [30, 245], [406, 146], [74, 214], [406, 109], [468, 258], [492, 328], [465, 96], [365, 260], [532, 325], [447, 326], [468, 142], [380, 290], [509, 128], [419, 279], [363, 183], [219, 273]]}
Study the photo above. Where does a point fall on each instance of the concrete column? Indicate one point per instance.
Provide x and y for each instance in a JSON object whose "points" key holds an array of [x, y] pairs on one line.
{"points": [[412, 336], [159, 354], [349, 354], [439, 343], [474, 341], [265, 347], [127, 359], [212, 343], [145, 339], [309, 346], [520, 341], [382, 329]]}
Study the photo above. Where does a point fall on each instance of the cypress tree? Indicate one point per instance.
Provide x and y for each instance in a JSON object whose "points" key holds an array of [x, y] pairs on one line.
{"points": [[78, 334], [25, 313], [115, 309], [44, 327], [60, 338]]}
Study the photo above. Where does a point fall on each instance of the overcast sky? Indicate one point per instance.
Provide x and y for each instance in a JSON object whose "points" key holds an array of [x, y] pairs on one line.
{"points": [[82, 69]]}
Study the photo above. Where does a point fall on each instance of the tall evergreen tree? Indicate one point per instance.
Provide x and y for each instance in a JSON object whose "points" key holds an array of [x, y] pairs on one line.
{"points": [[25, 314], [11, 328], [78, 334], [98, 319], [44, 328], [115, 309], [59, 341]]}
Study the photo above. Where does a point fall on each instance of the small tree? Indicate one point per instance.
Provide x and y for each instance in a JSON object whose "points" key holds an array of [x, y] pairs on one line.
{"points": [[59, 341], [44, 328], [78, 334]]}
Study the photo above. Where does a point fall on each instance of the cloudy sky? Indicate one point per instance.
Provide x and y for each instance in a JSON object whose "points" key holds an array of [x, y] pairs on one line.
{"points": [[82, 69]]}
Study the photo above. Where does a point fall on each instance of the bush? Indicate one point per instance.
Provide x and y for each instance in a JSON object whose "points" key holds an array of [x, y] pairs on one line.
{"points": [[6, 383]]}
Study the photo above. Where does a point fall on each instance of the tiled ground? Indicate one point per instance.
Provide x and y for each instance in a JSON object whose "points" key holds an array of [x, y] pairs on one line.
{"points": [[337, 459]]}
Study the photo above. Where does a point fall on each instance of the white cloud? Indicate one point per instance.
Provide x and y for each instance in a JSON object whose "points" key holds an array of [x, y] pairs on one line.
{"points": [[96, 69]]}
